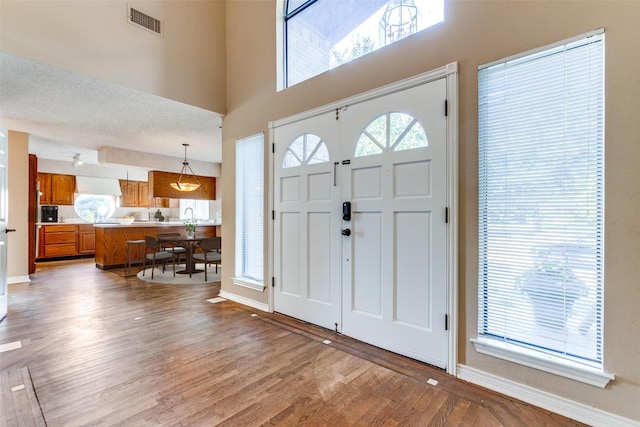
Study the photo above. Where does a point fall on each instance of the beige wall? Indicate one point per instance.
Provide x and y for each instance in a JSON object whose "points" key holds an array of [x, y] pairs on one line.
{"points": [[474, 33], [18, 242], [94, 38]]}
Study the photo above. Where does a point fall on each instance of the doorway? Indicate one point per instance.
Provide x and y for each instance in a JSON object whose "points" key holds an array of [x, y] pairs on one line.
{"points": [[362, 225]]}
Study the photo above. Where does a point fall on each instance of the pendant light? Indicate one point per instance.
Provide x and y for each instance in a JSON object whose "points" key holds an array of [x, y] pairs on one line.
{"points": [[186, 185]]}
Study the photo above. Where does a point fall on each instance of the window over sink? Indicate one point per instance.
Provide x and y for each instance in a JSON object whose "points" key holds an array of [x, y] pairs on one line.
{"points": [[94, 208]]}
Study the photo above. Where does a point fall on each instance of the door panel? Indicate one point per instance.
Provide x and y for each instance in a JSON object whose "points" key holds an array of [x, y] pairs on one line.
{"points": [[369, 266], [307, 228], [385, 282], [395, 262]]}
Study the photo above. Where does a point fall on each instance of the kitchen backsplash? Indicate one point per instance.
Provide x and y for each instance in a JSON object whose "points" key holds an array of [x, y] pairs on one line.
{"points": [[143, 214]]}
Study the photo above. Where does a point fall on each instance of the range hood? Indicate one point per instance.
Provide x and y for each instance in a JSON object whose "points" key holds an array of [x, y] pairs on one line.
{"points": [[97, 186]]}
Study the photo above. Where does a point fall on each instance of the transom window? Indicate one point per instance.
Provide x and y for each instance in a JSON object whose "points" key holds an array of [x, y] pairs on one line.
{"points": [[323, 34], [395, 131], [305, 149]]}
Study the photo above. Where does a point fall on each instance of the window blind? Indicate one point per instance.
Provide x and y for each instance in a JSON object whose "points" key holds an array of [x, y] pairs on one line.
{"points": [[250, 208], [541, 200]]}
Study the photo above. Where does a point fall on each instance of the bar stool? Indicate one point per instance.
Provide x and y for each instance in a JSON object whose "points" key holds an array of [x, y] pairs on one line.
{"points": [[138, 245]]}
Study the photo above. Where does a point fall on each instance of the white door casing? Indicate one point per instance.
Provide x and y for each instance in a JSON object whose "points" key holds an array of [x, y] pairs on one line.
{"points": [[415, 248], [3, 222]]}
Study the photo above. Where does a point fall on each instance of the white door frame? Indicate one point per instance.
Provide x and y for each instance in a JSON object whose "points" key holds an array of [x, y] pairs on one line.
{"points": [[450, 72]]}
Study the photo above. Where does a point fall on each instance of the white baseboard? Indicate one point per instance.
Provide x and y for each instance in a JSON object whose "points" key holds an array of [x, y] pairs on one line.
{"points": [[560, 405], [243, 300], [18, 279]]}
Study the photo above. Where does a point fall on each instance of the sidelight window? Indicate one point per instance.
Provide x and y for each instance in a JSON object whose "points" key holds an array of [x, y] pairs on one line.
{"points": [[249, 268], [541, 206]]}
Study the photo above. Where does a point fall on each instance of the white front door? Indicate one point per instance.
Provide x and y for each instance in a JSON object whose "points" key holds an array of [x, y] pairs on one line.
{"points": [[307, 245], [395, 259], [386, 283], [3, 222]]}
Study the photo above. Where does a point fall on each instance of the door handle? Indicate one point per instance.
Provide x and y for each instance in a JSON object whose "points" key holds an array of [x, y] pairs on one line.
{"points": [[346, 232], [9, 230]]}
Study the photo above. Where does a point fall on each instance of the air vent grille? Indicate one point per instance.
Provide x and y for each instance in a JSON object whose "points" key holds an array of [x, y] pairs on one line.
{"points": [[145, 21]]}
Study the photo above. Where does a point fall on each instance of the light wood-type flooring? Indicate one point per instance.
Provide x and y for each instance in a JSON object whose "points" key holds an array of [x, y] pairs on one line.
{"points": [[98, 349]]}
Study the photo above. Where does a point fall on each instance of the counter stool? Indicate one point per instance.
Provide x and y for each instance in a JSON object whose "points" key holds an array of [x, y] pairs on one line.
{"points": [[139, 259]]}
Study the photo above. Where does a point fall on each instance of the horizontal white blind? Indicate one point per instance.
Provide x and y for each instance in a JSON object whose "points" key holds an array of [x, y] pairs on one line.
{"points": [[541, 200], [250, 208]]}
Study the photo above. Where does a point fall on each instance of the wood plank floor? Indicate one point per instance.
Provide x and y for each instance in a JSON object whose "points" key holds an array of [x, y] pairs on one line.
{"points": [[98, 349]]}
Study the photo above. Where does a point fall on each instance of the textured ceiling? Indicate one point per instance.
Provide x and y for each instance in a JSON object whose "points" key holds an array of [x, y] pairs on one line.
{"points": [[67, 113]]}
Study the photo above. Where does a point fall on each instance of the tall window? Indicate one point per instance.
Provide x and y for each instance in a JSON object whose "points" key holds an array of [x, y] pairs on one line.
{"points": [[250, 211], [541, 201], [323, 34]]}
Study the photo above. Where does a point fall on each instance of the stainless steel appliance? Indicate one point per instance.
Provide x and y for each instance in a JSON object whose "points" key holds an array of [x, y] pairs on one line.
{"points": [[48, 214]]}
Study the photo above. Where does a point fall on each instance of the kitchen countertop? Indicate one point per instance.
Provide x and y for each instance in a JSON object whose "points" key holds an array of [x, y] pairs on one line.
{"points": [[133, 224]]}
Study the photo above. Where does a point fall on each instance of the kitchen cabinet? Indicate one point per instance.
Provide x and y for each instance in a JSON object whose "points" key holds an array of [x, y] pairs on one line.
{"points": [[58, 241], [111, 240], [129, 191], [160, 186], [66, 240], [45, 188], [86, 239], [56, 189], [136, 194]]}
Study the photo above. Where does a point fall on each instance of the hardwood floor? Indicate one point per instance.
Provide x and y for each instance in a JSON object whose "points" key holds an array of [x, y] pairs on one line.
{"points": [[99, 349]]}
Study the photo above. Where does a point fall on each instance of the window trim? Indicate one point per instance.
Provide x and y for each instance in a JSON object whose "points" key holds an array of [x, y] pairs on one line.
{"points": [[544, 362]]}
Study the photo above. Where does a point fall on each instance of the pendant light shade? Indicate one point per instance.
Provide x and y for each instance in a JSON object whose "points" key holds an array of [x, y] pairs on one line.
{"points": [[186, 183]]}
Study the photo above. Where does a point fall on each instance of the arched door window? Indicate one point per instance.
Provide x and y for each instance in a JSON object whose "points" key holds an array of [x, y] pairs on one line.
{"points": [[391, 130], [305, 149]]}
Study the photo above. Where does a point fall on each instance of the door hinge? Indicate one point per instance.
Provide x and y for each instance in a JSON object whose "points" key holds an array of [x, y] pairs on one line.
{"points": [[273, 215], [446, 322], [446, 215], [273, 147], [446, 107], [273, 282]]}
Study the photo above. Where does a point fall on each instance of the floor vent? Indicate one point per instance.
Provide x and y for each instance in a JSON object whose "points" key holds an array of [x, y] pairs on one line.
{"points": [[145, 21]]}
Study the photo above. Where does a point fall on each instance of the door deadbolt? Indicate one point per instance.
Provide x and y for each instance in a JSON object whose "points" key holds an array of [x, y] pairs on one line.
{"points": [[346, 232]]}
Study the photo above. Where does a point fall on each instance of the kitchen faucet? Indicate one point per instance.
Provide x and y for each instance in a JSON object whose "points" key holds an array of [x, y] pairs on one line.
{"points": [[189, 209]]}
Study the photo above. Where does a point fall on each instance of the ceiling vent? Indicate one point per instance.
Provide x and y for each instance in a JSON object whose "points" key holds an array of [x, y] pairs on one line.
{"points": [[145, 21]]}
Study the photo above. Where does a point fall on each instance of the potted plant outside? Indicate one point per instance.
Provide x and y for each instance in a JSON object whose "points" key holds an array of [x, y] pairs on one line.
{"points": [[552, 288]]}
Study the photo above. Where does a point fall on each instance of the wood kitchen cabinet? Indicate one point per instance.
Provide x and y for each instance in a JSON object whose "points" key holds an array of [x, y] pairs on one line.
{"points": [[130, 197], [136, 194], [56, 189], [66, 240], [45, 188], [86, 239], [58, 241]]}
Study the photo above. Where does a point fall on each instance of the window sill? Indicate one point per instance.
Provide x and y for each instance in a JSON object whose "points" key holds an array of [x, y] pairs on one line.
{"points": [[543, 362], [248, 283]]}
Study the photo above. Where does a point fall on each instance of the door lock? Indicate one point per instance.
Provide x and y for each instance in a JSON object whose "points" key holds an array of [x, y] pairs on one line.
{"points": [[346, 232]]}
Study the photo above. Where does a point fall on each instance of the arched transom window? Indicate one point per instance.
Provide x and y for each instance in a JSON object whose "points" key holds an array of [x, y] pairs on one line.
{"points": [[305, 149], [395, 131]]}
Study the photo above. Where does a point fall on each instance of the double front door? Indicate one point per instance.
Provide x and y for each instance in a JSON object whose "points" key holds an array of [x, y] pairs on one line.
{"points": [[360, 233]]}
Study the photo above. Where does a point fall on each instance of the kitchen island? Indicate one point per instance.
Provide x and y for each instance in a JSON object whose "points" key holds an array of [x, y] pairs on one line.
{"points": [[111, 239]]}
